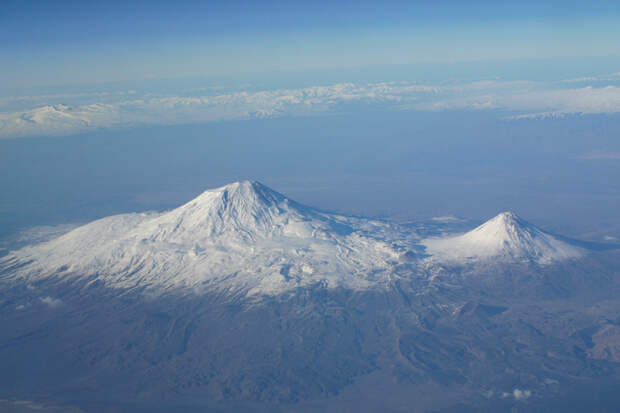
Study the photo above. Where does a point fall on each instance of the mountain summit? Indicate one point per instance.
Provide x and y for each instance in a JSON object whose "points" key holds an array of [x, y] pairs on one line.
{"points": [[246, 209], [242, 238], [506, 237]]}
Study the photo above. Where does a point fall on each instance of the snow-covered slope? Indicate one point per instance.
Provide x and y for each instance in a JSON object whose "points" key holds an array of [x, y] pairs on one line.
{"points": [[504, 238], [243, 238], [246, 239]]}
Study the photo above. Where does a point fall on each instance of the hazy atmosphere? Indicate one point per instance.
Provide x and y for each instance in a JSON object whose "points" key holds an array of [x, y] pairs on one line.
{"points": [[418, 173]]}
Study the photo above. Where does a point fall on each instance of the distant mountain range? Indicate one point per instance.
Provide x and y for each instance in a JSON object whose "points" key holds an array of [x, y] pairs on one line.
{"points": [[245, 299]]}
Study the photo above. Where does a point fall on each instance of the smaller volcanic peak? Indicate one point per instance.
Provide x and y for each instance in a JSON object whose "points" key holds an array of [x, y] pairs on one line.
{"points": [[506, 237]]}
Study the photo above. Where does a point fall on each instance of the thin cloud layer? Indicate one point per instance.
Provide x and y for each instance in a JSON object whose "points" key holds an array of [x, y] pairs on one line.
{"points": [[599, 155], [53, 115]]}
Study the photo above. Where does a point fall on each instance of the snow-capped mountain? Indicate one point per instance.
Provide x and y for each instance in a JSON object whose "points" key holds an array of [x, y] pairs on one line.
{"points": [[243, 238], [242, 295], [246, 239], [504, 238]]}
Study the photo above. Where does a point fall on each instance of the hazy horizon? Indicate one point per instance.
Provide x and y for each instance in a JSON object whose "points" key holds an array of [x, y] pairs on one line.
{"points": [[402, 129]]}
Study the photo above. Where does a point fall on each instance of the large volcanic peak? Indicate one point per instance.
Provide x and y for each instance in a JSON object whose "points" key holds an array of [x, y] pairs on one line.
{"points": [[242, 237]]}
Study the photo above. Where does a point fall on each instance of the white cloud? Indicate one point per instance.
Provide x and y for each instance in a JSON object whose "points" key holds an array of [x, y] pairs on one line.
{"points": [[51, 115], [518, 394], [52, 302], [521, 394]]}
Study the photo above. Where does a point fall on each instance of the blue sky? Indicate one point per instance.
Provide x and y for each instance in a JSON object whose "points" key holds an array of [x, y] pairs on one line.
{"points": [[81, 42]]}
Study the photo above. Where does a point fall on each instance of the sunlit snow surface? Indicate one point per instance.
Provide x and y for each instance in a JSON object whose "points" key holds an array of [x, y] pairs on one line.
{"points": [[506, 238], [246, 239]]}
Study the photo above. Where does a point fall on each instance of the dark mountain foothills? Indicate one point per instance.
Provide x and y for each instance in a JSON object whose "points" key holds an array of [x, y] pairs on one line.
{"points": [[489, 336]]}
